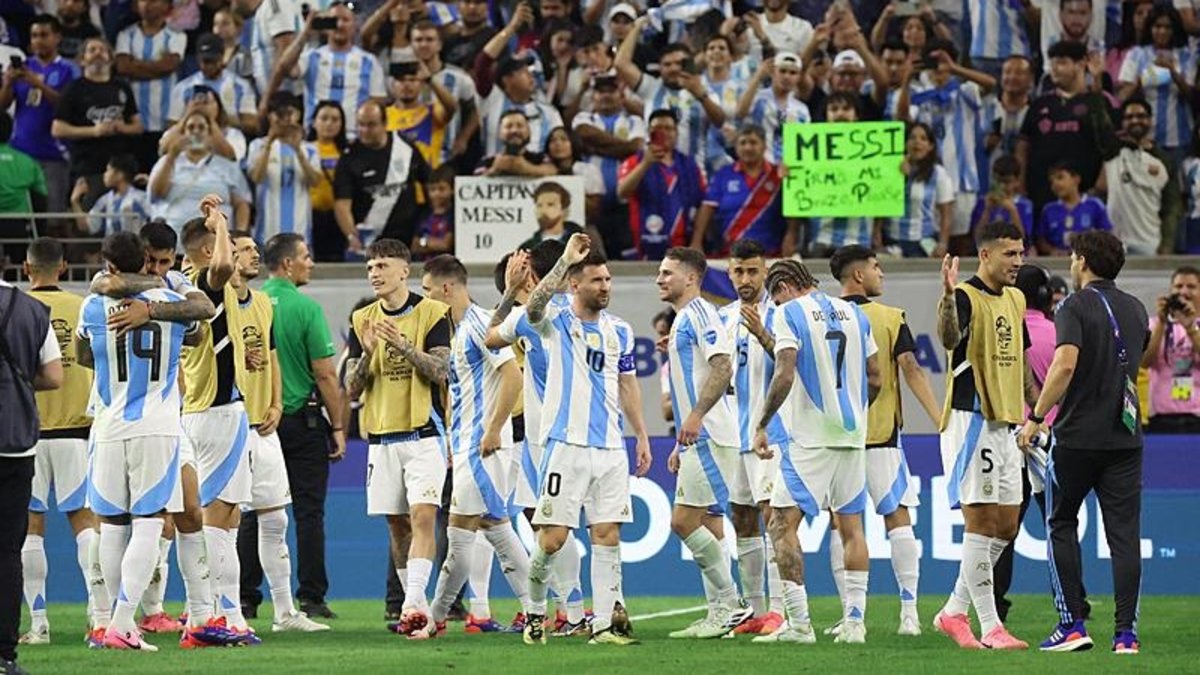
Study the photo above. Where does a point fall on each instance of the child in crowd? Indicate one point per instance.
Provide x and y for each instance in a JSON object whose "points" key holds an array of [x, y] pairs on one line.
{"points": [[1004, 201], [122, 209], [1072, 213], [435, 233]]}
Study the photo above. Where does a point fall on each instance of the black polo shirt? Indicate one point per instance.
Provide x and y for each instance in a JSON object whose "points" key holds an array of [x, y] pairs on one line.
{"points": [[1089, 416], [1077, 129]]}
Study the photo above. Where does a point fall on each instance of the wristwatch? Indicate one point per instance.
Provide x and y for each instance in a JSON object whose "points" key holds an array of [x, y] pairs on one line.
{"points": [[1035, 419]]}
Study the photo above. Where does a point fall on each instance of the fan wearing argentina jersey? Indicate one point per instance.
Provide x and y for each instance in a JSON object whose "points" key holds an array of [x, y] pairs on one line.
{"points": [[133, 474], [272, 25], [829, 233], [148, 55], [484, 385], [826, 371], [747, 320], [591, 388], [700, 356], [889, 482], [773, 105], [283, 167]]}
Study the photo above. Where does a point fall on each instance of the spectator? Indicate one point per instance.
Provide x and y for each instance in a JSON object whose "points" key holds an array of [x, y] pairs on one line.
{"points": [[435, 233], [1173, 357], [1189, 237], [22, 190], [35, 87], [664, 187], [551, 204], [464, 124], [273, 26], [785, 32], [620, 24], [1163, 68], [825, 235], [98, 117], [916, 31], [467, 37], [1133, 21], [338, 70], [607, 135], [422, 123], [723, 81], [237, 58], [561, 153], [899, 69], [515, 89], [76, 26], [189, 170], [745, 201], [849, 76], [386, 32], [1071, 214], [283, 168], [376, 183], [328, 134], [235, 94], [149, 54], [1142, 187], [516, 158], [772, 105], [924, 229], [1072, 21], [998, 33], [1004, 201], [566, 79], [227, 141], [123, 208], [1007, 111]]}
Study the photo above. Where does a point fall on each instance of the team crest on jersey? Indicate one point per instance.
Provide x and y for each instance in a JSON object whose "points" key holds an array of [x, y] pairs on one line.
{"points": [[1004, 333], [593, 340], [547, 508], [987, 489], [710, 336]]}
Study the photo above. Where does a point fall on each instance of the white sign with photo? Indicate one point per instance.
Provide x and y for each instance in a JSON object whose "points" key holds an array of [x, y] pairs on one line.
{"points": [[494, 215]]}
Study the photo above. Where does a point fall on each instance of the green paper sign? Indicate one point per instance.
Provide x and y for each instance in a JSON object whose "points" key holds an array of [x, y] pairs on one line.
{"points": [[843, 169]]}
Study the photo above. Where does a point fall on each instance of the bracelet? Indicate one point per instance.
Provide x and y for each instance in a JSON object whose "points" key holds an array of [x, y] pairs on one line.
{"points": [[337, 429], [1035, 419]]}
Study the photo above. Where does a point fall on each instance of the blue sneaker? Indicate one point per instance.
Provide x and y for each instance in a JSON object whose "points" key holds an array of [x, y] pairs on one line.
{"points": [[476, 626], [1068, 637], [1125, 642]]}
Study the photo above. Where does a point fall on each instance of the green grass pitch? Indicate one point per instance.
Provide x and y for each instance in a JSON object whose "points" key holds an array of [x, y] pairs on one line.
{"points": [[359, 645]]}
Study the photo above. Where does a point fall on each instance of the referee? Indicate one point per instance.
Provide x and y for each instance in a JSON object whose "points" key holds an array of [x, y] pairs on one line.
{"points": [[1102, 332]]}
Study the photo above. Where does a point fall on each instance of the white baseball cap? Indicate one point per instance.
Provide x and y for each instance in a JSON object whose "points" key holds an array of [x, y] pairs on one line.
{"points": [[787, 59], [623, 8], [848, 57]]}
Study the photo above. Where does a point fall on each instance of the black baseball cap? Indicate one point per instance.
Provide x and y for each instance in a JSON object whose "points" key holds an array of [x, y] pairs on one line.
{"points": [[210, 47], [509, 65]]}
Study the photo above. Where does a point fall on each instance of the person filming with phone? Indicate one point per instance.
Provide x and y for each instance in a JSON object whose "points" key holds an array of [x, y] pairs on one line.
{"points": [[1173, 357], [515, 158]]}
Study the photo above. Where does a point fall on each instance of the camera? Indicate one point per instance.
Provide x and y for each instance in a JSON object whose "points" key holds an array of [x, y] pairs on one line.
{"points": [[16, 62], [325, 23], [1175, 303]]}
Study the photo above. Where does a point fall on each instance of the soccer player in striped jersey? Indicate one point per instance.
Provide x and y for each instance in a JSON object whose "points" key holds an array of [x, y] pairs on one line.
{"points": [[889, 483], [62, 452], [484, 385], [585, 466], [149, 54], [826, 370], [700, 355], [283, 167], [748, 319]]}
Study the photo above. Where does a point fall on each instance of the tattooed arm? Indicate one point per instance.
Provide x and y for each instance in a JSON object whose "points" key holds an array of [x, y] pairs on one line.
{"points": [[546, 288], [715, 385], [196, 306], [781, 386], [124, 285], [433, 365], [948, 327]]}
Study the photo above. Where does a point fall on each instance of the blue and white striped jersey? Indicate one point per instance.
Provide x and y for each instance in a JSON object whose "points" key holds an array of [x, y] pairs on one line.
{"points": [[839, 232], [153, 96], [753, 369], [543, 118], [236, 94], [115, 212], [281, 200], [920, 219], [271, 19], [953, 112], [462, 86], [474, 382], [517, 329], [697, 336], [997, 29], [693, 121], [351, 77], [767, 113], [620, 124], [833, 341], [1172, 114]]}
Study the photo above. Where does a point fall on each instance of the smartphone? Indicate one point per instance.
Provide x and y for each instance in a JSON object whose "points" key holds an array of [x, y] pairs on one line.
{"points": [[658, 137], [906, 8], [689, 66], [305, 10], [16, 62], [929, 62], [325, 23]]}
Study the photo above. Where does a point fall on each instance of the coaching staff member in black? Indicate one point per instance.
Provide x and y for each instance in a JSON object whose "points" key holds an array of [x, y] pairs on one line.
{"points": [[1102, 332]]}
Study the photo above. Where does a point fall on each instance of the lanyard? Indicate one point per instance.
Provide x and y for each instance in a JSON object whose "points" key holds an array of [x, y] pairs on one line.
{"points": [[1122, 354]]}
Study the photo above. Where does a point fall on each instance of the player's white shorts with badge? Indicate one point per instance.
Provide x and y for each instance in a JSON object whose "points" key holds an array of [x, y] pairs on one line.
{"points": [[524, 475], [754, 477], [705, 473], [481, 484], [982, 461], [889, 481], [220, 437], [138, 476], [403, 469], [63, 463], [269, 486], [816, 479], [574, 477]]}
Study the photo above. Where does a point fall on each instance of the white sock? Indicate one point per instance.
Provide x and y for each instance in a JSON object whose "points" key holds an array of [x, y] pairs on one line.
{"points": [[33, 563], [514, 560], [774, 582], [795, 603], [192, 555], [100, 600], [417, 592], [83, 544], [856, 595], [837, 564], [541, 565], [137, 566], [276, 560], [906, 563], [752, 568], [959, 601], [977, 573], [152, 599], [996, 548], [231, 581], [456, 569], [706, 550], [565, 579], [481, 577], [113, 540], [402, 575], [606, 584]]}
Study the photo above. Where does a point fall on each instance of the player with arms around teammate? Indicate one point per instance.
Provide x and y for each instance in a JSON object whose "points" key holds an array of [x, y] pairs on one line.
{"points": [[399, 359], [827, 342], [982, 322], [585, 465], [700, 355], [889, 482]]}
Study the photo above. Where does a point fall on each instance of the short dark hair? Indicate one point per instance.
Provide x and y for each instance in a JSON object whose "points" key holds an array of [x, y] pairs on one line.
{"points": [[844, 97], [1103, 252], [667, 316], [1186, 270], [688, 257], [513, 111], [281, 247], [388, 248], [752, 128], [663, 112], [1065, 49], [674, 47], [446, 266], [6, 126], [1136, 101], [500, 271], [553, 187], [544, 256], [1034, 282], [846, 256], [894, 45], [125, 164], [1064, 165], [158, 235], [44, 253], [195, 232], [947, 46], [745, 249], [1007, 166], [997, 230], [124, 251], [791, 272], [47, 20], [283, 99], [443, 174], [594, 257]]}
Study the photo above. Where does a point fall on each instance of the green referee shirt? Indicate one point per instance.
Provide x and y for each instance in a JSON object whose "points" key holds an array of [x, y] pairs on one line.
{"points": [[301, 337], [19, 175]]}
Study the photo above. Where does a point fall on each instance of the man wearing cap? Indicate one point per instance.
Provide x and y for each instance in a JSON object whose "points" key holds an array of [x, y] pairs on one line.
{"points": [[849, 75], [773, 105], [620, 24], [148, 56], [608, 135], [236, 94]]}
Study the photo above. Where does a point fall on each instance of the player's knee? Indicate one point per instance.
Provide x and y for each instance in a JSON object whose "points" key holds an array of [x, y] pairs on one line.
{"points": [[551, 540], [605, 534], [745, 521]]}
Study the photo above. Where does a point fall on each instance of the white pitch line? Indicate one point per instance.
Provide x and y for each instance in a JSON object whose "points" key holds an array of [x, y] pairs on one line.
{"points": [[670, 612]]}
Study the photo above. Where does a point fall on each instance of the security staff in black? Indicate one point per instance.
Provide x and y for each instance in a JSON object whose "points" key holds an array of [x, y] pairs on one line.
{"points": [[1097, 444]]}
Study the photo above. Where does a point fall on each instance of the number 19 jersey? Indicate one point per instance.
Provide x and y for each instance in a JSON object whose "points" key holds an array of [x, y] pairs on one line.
{"points": [[136, 391], [833, 341]]}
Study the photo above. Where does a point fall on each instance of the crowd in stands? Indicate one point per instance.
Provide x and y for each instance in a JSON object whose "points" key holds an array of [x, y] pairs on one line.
{"points": [[343, 121]]}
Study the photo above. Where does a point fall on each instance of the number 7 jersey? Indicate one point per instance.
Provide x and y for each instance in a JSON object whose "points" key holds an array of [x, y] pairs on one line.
{"points": [[136, 390]]}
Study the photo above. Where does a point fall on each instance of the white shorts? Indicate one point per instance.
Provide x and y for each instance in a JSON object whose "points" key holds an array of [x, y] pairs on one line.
{"points": [[815, 479], [481, 484], [524, 475], [219, 436], [404, 470], [187, 454], [63, 463], [982, 460], [269, 486], [754, 478], [705, 473], [138, 476], [575, 478], [889, 482]]}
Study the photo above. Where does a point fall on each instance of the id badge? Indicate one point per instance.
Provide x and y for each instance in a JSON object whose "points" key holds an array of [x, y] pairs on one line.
{"points": [[1129, 407], [1182, 388]]}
